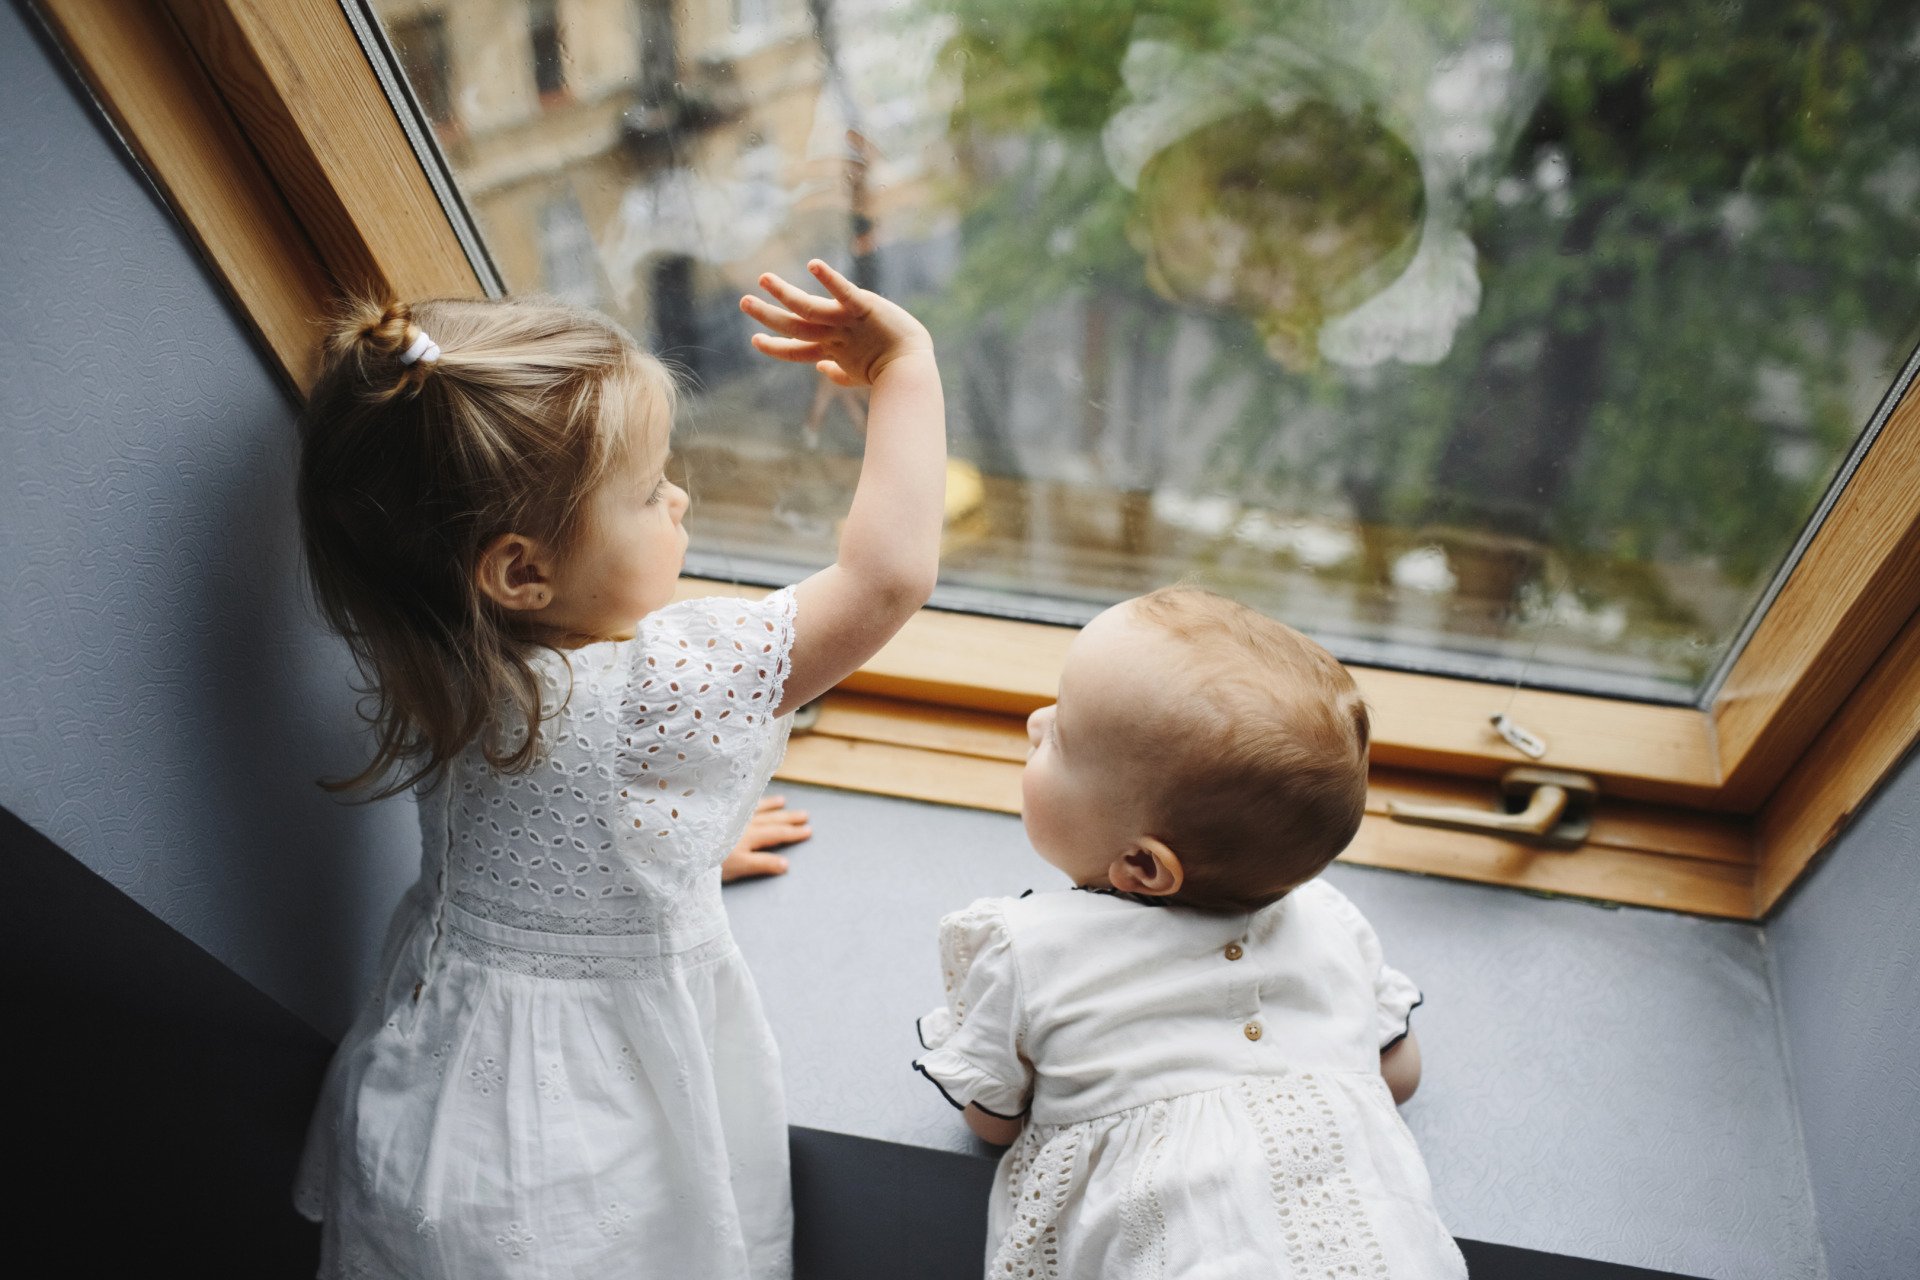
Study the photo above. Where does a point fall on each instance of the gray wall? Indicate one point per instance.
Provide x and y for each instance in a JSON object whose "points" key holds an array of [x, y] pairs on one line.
{"points": [[169, 698], [1846, 955]]}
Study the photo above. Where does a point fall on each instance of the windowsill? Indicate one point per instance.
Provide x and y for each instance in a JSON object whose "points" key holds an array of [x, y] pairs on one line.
{"points": [[1556, 1036]]}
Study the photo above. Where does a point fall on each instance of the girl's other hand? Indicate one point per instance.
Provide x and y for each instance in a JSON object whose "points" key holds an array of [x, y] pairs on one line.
{"points": [[772, 826], [850, 337]]}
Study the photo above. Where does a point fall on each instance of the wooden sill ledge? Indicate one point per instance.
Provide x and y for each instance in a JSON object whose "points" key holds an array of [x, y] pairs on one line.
{"points": [[1641, 854]]}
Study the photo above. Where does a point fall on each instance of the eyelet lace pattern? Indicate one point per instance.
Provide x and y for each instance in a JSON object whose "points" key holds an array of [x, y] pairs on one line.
{"points": [[960, 936], [652, 752], [1146, 1218], [1030, 1250], [1325, 1223]]}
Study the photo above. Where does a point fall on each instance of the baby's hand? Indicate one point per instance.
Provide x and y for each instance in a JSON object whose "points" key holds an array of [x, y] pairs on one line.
{"points": [[850, 337]]}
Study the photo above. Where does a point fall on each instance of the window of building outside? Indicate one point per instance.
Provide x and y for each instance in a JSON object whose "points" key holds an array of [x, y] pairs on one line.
{"points": [[549, 47], [570, 266], [421, 45], [754, 15], [1510, 339]]}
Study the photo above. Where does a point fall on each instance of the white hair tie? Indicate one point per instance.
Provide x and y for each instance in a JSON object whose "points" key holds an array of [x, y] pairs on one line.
{"points": [[423, 348]]}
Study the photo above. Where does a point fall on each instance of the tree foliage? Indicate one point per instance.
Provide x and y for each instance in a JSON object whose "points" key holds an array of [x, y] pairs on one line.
{"points": [[1699, 251]]}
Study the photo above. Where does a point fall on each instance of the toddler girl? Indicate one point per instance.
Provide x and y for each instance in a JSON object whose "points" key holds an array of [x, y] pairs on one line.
{"points": [[565, 1070], [1196, 1052]]}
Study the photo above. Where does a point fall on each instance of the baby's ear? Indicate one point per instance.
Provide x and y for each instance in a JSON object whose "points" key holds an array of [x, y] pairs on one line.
{"points": [[1150, 867]]}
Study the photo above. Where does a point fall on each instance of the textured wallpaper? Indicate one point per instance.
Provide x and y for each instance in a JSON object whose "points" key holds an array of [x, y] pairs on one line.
{"points": [[1846, 955], [169, 698]]}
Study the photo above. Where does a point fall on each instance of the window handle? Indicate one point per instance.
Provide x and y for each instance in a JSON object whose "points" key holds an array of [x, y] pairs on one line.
{"points": [[1544, 806]]}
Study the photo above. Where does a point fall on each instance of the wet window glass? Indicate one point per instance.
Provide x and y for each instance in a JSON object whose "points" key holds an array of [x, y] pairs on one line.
{"points": [[1513, 339]]}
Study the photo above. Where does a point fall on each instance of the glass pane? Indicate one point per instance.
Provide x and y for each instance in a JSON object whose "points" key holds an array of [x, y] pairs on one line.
{"points": [[1508, 338]]}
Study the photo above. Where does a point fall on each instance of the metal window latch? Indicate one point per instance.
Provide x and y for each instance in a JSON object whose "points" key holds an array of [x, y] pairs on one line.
{"points": [[1543, 806], [1519, 737], [805, 717]]}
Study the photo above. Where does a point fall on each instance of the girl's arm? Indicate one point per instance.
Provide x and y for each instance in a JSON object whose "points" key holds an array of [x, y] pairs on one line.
{"points": [[890, 545], [1400, 1065]]}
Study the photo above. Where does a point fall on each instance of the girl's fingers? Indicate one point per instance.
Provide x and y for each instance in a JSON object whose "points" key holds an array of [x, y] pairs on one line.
{"points": [[838, 285], [782, 321], [740, 866], [799, 301], [771, 835], [769, 802], [834, 373], [797, 350]]}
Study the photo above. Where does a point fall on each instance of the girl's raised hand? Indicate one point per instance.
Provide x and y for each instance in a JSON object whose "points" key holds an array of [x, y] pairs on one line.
{"points": [[850, 337]]}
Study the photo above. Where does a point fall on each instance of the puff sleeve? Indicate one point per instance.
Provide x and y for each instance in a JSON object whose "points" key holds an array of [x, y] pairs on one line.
{"points": [[973, 1040], [692, 733], [1394, 993]]}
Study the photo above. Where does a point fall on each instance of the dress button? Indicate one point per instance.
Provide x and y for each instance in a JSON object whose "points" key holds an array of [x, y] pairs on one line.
{"points": [[1233, 951], [1253, 1030]]}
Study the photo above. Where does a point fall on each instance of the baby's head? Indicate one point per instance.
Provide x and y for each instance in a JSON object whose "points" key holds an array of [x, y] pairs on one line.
{"points": [[1199, 752], [478, 478]]}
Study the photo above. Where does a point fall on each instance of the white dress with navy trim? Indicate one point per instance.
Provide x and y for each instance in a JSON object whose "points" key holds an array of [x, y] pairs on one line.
{"points": [[585, 1084], [1202, 1091]]}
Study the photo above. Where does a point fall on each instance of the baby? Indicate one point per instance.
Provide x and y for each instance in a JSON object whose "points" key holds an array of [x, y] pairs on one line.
{"points": [[1196, 1053]]}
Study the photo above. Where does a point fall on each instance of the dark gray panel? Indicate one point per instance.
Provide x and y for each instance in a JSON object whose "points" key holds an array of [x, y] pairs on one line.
{"points": [[162, 1131]]}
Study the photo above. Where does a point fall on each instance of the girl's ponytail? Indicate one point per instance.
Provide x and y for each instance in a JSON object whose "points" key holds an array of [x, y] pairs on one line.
{"points": [[377, 337]]}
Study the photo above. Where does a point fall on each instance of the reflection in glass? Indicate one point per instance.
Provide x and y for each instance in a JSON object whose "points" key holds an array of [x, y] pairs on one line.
{"points": [[1509, 338]]}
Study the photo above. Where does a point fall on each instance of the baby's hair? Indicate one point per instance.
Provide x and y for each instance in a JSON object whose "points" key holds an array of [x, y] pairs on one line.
{"points": [[1267, 781], [409, 468]]}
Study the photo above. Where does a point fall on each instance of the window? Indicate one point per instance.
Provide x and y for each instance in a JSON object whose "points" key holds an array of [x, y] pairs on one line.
{"points": [[1502, 345], [1712, 802], [421, 45], [752, 15], [569, 263], [549, 54]]}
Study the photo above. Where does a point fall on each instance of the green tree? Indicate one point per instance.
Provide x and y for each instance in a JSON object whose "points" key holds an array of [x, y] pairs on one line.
{"points": [[1704, 192]]}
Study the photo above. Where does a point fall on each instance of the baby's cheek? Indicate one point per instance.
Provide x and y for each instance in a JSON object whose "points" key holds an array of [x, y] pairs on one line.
{"points": [[1036, 807]]}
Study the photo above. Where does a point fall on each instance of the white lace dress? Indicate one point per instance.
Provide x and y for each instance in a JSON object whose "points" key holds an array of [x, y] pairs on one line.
{"points": [[1203, 1091], [585, 1085]]}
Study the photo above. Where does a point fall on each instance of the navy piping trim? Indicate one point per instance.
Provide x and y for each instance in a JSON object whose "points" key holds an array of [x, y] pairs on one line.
{"points": [[920, 1035], [1144, 899], [961, 1106], [1397, 1039]]}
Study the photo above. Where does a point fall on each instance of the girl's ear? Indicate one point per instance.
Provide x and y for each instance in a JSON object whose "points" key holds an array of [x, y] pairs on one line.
{"points": [[1150, 868], [515, 573]]}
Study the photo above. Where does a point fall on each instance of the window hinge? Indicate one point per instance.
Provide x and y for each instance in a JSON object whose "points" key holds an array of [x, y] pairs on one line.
{"points": [[1543, 806]]}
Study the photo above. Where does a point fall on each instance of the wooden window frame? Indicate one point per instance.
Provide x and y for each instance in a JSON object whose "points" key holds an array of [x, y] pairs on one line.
{"points": [[264, 125]]}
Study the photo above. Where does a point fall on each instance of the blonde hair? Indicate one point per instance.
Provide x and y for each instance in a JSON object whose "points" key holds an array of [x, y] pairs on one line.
{"points": [[407, 471], [1267, 779]]}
